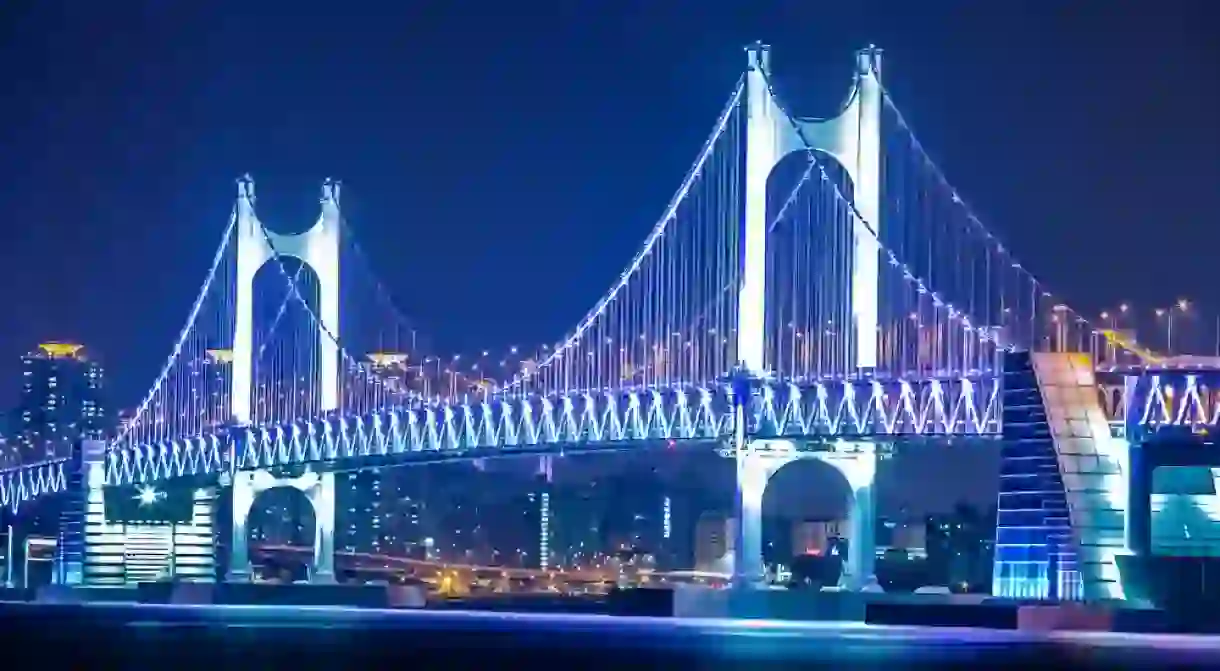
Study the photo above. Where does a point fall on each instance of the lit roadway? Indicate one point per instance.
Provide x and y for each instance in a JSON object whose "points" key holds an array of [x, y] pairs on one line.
{"points": [[389, 562]]}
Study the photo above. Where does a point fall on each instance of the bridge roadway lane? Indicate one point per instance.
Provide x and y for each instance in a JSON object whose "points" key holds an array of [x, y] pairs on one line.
{"points": [[252, 637]]}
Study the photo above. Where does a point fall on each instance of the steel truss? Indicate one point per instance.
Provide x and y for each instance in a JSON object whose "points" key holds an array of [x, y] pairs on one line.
{"points": [[811, 411], [28, 482]]}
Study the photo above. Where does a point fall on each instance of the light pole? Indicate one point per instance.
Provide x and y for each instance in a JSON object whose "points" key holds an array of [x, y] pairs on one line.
{"points": [[1217, 334], [1182, 306], [1120, 321], [1111, 323], [1060, 319], [1162, 313], [8, 558]]}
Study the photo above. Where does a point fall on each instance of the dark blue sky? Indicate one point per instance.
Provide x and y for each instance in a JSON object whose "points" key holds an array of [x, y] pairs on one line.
{"points": [[502, 162], [531, 148]]}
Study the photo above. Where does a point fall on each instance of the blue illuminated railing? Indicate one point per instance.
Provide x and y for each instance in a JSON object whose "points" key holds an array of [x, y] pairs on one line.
{"points": [[811, 411], [1173, 399], [30, 481]]}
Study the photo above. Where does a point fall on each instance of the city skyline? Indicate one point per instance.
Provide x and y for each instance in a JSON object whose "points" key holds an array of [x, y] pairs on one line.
{"points": [[449, 320], [809, 332], [473, 515]]}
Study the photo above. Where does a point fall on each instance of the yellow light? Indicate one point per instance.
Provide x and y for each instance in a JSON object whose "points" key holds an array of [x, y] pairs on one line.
{"points": [[387, 359], [220, 355], [57, 350]]}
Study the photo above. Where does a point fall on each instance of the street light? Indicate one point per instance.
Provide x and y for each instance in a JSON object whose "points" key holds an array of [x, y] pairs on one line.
{"points": [[1183, 306], [1111, 320], [1163, 314], [1060, 319]]}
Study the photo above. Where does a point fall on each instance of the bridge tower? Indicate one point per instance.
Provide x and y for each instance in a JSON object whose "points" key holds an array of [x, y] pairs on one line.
{"points": [[853, 138], [318, 248]]}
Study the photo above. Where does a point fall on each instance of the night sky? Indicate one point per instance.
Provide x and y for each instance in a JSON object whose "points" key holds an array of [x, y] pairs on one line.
{"points": [[530, 146]]}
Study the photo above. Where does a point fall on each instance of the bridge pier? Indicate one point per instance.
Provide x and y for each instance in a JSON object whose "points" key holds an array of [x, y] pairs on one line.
{"points": [[318, 488], [760, 461]]}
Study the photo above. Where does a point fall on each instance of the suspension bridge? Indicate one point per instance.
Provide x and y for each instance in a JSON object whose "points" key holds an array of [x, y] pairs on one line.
{"points": [[813, 284]]}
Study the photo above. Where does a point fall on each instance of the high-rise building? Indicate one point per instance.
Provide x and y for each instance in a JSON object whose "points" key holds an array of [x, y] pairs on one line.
{"points": [[364, 526], [576, 534], [390, 374], [959, 548], [715, 539], [8, 454], [816, 537], [281, 516], [911, 537], [62, 400], [404, 525]]}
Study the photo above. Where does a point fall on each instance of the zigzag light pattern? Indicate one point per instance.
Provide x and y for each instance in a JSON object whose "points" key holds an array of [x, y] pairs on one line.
{"points": [[811, 411], [1177, 400], [28, 482]]}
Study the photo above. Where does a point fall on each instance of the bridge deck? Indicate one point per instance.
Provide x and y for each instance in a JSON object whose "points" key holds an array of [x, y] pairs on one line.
{"points": [[860, 409], [817, 411]]}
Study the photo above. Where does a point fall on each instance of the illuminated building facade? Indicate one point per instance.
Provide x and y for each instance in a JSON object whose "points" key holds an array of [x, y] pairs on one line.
{"points": [[8, 454], [816, 537], [715, 539], [367, 498], [62, 400], [958, 550], [363, 511], [403, 523], [282, 516]]}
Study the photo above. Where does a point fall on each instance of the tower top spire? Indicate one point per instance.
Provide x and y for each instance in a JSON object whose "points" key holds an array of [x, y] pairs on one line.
{"points": [[330, 190], [759, 55], [868, 60], [245, 187]]}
